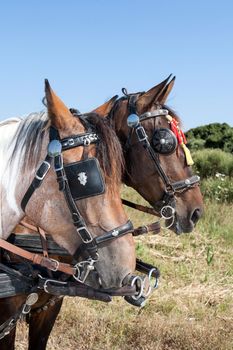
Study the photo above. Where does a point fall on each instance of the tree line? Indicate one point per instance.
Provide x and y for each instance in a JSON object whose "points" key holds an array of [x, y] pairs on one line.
{"points": [[215, 135]]}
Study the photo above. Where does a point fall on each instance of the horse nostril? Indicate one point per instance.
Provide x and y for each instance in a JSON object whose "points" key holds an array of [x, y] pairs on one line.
{"points": [[196, 215]]}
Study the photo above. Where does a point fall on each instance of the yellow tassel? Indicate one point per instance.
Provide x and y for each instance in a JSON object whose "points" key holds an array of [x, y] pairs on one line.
{"points": [[169, 118], [187, 153]]}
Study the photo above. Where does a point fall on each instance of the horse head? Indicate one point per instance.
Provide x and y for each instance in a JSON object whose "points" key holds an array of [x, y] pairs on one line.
{"points": [[158, 163], [89, 223]]}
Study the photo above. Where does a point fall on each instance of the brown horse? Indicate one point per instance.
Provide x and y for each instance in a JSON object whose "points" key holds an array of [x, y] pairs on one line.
{"points": [[141, 172], [47, 207], [145, 179]]}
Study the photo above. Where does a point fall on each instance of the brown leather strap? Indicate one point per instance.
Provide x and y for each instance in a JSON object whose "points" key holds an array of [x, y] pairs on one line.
{"points": [[140, 207], [29, 226], [154, 227], [43, 242], [42, 234], [38, 259]]}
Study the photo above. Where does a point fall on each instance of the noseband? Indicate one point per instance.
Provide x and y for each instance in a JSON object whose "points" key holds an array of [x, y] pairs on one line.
{"points": [[163, 139], [89, 246]]}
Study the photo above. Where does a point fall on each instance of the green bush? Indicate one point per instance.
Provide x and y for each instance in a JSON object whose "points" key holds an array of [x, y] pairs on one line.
{"points": [[209, 162], [215, 135], [219, 188]]}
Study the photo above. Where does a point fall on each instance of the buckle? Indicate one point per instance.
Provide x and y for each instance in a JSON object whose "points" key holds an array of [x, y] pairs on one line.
{"points": [[51, 280], [79, 230], [47, 167], [141, 134], [56, 265]]}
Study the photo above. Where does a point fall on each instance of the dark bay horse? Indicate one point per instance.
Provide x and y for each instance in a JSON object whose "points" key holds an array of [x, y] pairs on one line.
{"points": [[23, 145], [153, 177], [141, 174]]}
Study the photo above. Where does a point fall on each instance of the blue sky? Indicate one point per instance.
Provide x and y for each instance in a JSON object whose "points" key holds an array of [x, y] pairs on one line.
{"points": [[90, 49]]}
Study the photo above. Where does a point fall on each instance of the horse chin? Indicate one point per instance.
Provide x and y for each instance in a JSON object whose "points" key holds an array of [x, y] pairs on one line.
{"points": [[180, 226], [93, 280]]}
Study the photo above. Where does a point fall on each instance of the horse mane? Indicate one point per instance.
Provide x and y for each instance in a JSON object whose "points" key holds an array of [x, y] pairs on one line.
{"points": [[29, 136], [31, 131], [10, 120], [108, 150]]}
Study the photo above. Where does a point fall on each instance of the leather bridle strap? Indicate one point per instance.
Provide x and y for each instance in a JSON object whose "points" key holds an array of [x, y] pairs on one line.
{"points": [[113, 234], [38, 259], [37, 181]]}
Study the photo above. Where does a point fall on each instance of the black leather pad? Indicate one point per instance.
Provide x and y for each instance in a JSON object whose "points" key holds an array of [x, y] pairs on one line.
{"points": [[85, 178]]}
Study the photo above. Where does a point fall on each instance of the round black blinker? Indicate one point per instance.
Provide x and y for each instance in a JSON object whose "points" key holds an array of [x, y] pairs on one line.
{"points": [[164, 141]]}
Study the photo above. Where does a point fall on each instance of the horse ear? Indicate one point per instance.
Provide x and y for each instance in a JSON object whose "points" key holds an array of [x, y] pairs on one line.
{"points": [[161, 99], [145, 101], [105, 108], [61, 117]]}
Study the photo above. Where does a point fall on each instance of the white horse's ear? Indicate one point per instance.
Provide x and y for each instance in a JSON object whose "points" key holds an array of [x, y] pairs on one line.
{"points": [[145, 101], [105, 108], [60, 115]]}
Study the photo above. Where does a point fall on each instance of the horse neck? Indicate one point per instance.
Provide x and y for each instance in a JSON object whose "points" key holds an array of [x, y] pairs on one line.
{"points": [[14, 179]]}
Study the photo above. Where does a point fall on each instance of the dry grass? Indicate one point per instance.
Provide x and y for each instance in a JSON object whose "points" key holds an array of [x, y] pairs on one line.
{"points": [[191, 310]]}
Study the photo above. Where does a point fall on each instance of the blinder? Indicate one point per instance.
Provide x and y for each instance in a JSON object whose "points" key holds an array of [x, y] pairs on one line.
{"points": [[85, 178], [164, 141]]}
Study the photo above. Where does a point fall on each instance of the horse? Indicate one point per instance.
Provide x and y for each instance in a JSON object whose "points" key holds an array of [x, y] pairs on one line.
{"points": [[57, 137], [158, 162], [147, 179]]}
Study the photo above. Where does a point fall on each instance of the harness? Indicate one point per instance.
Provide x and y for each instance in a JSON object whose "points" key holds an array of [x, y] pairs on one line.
{"points": [[90, 244], [164, 141]]}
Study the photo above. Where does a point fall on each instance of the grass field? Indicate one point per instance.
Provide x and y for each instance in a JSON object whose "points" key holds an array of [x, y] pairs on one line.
{"points": [[191, 310]]}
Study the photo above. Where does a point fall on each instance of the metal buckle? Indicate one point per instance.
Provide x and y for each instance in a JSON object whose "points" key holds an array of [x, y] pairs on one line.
{"points": [[141, 134], [56, 265], [86, 230], [45, 173], [51, 280]]}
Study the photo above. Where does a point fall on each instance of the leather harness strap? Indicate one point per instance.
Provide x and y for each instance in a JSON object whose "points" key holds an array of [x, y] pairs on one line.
{"points": [[38, 259], [41, 233]]}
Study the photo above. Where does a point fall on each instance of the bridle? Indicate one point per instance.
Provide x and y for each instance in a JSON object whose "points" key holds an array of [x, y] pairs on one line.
{"points": [[166, 206], [89, 246]]}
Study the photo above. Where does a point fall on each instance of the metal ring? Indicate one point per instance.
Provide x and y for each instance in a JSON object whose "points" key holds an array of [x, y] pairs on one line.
{"points": [[155, 284], [133, 282], [163, 215], [77, 274], [149, 289]]}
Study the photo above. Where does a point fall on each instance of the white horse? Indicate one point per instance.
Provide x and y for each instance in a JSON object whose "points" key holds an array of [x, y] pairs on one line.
{"points": [[23, 146]]}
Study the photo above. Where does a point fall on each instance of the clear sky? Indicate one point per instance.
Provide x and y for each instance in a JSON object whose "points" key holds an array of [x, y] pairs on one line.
{"points": [[90, 49]]}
